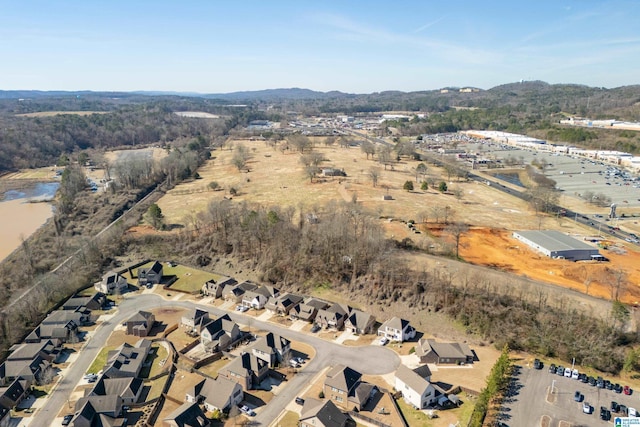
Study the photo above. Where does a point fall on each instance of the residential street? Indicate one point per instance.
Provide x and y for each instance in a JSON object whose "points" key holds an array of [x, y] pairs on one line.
{"points": [[373, 360]]}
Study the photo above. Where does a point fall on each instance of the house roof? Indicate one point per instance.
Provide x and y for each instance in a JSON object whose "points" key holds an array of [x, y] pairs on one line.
{"points": [[28, 351], [395, 323], [318, 304], [271, 342], [196, 314], [423, 371], [100, 404], [24, 367], [63, 316], [342, 377], [188, 415], [360, 319], [14, 391], [218, 392], [362, 393], [141, 316], [222, 323], [112, 277], [451, 350], [327, 413], [156, 267], [126, 360], [245, 364], [96, 299], [412, 379], [124, 387]]}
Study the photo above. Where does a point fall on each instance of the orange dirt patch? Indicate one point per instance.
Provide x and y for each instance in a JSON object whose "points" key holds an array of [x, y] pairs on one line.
{"points": [[496, 248]]}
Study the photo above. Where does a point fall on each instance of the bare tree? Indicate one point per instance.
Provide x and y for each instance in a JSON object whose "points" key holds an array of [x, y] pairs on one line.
{"points": [[456, 230], [374, 174], [368, 148]]}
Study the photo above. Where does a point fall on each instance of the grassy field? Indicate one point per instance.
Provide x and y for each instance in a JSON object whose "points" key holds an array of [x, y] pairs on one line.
{"points": [[290, 419], [189, 279], [57, 113], [100, 360]]}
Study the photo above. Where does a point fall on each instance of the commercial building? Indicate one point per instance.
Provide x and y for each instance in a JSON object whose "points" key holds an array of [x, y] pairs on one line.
{"points": [[555, 244]]}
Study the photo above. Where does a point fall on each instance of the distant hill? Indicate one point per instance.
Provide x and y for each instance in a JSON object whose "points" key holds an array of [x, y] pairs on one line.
{"points": [[278, 94]]}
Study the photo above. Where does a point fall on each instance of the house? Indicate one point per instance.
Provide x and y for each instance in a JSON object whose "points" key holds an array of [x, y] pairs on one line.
{"points": [[12, 395], [93, 302], [34, 370], [140, 324], [415, 389], [316, 413], [246, 370], [360, 322], [272, 349], [283, 304], [333, 317], [63, 332], [344, 387], [112, 283], [99, 411], [219, 334], [150, 275], [397, 329], [308, 309], [258, 297], [431, 351], [195, 319], [220, 394], [78, 316], [46, 349], [5, 415], [126, 360], [215, 288], [235, 293], [128, 388], [187, 415]]}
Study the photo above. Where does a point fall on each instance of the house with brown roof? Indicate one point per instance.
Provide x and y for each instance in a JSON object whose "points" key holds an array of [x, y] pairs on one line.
{"points": [[150, 275], [126, 360], [397, 329], [61, 332], [92, 302], [360, 322], [316, 413], [431, 351], [195, 319], [333, 317], [100, 411], [112, 283], [308, 309], [259, 297], [220, 394], [246, 370], [187, 415], [215, 288], [219, 334], [272, 348], [128, 388], [235, 293], [15, 392], [140, 324], [416, 390], [283, 304], [344, 387], [80, 317]]}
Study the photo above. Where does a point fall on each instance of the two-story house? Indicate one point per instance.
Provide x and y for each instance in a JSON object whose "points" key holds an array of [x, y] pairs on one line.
{"points": [[316, 413], [195, 319], [283, 304], [215, 288], [220, 394], [308, 309], [140, 324], [246, 370], [219, 334], [416, 390], [272, 348], [333, 317], [235, 293], [259, 297], [397, 329], [344, 387], [112, 283], [150, 275], [360, 322]]}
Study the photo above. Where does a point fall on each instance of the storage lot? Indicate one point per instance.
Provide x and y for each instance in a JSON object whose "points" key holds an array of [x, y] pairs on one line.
{"points": [[529, 400]]}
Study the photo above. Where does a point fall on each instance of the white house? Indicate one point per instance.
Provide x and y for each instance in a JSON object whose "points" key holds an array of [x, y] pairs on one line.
{"points": [[416, 390], [397, 329], [259, 297]]}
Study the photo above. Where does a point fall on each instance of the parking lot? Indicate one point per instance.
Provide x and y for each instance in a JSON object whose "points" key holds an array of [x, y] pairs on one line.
{"points": [[530, 400], [574, 176]]}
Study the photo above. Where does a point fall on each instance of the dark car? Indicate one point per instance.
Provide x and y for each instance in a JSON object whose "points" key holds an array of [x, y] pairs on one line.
{"points": [[600, 382], [67, 420], [622, 409], [537, 364], [315, 328], [299, 401], [615, 407], [608, 385], [583, 378], [577, 396], [552, 368], [617, 388], [560, 371], [592, 381], [605, 415]]}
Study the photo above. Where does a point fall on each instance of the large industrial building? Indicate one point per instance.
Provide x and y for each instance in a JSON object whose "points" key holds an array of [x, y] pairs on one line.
{"points": [[555, 244]]}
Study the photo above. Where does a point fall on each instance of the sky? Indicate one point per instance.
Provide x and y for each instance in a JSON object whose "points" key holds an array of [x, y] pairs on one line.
{"points": [[351, 46]]}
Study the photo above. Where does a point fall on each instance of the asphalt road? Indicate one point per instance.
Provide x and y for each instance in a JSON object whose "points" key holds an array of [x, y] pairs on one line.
{"points": [[372, 359]]}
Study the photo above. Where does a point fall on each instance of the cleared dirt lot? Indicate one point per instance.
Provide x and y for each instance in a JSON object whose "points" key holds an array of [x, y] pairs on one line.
{"points": [[277, 178]]}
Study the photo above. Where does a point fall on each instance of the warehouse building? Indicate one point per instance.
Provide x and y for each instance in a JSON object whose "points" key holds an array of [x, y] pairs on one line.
{"points": [[555, 244]]}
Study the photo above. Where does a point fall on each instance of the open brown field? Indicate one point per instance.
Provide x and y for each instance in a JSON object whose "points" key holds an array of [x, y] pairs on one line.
{"points": [[277, 178], [57, 113]]}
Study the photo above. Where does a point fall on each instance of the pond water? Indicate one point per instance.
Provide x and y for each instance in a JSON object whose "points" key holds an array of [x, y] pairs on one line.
{"points": [[512, 178], [19, 219]]}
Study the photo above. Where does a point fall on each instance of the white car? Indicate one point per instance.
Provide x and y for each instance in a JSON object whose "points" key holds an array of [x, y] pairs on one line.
{"points": [[575, 374], [586, 408], [567, 372], [247, 411], [384, 340]]}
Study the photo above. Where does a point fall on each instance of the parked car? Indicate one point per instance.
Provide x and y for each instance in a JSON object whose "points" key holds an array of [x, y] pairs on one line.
{"points": [[617, 388], [608, 385], [600, 382], [247, 411], [567, 372], [592, 381], [627, 390], [315, 328], [577, 396], [583, 378], [575, 374], [66, 420], [615, 407], [586, 408], [384, 340], [560, 371], [605, 415], [537, 364], [552, 368], [299, 401]]}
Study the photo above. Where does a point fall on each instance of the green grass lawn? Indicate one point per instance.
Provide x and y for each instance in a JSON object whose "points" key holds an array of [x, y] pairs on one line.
{"points": [[156, 387], [100, 360], [464, 411], [189, 279], [413, 416], [159, 353]]}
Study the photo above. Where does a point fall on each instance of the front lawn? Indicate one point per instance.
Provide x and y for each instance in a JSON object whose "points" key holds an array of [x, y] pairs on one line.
{"points": [[100, 360]]}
